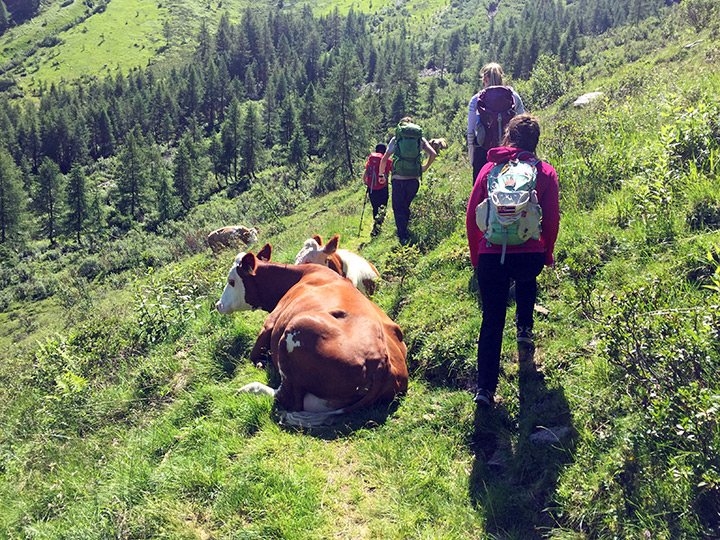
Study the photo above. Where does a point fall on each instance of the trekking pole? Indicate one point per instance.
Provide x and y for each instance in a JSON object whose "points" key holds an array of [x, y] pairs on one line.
{"points": [[363, 209]]}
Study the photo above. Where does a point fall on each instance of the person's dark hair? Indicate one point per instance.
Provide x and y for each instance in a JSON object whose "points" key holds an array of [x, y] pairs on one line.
{"points": [[523, 131], [380, 148], [406, 119]]}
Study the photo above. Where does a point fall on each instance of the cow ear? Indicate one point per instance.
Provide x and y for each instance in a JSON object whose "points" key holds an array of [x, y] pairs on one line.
{"points": [[318, 239], [248, 264], [265, 253], [331, 246]]}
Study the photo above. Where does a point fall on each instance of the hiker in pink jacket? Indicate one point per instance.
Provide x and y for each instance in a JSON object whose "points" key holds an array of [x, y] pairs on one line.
{"points": [[522, 263]]}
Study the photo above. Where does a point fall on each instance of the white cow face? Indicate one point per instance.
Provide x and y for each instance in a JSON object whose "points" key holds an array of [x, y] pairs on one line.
{"points": [[233, 296], [311, 252]]}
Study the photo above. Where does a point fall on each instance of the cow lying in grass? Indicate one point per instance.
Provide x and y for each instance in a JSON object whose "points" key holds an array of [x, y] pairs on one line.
{"points": [[231, 237], [359, 271], [334, 349]]}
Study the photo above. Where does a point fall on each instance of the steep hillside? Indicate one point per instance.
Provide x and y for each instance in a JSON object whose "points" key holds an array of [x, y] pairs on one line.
{"points": [[119, 415]]}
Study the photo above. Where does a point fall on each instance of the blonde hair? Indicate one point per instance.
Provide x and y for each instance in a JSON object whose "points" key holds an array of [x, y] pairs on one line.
{"points": [[492, 73]]}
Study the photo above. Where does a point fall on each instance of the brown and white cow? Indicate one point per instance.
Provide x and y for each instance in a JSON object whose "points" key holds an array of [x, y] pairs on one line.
{"points": [[438, 144], [334, 349], [231, 237], [359, 271]]}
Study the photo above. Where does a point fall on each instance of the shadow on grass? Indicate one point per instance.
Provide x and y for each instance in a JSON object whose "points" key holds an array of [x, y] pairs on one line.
{"points": [[518, 460]]}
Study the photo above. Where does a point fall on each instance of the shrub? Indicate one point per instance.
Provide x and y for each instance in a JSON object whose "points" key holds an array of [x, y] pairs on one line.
{"points": [[548, 83], [704, 214], [50, 41], [434, 216], [90, 268]]}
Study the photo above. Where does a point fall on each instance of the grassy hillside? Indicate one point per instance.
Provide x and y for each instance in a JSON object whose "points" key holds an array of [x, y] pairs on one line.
{"points": [[119, 415], [69, 41]]}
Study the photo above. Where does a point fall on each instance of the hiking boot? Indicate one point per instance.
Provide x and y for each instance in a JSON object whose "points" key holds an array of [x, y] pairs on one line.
{"points": [[484, 398], [525, 334]]}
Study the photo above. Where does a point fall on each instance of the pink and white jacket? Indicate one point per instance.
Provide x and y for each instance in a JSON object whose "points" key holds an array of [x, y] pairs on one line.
{"points": [[548, 198]]}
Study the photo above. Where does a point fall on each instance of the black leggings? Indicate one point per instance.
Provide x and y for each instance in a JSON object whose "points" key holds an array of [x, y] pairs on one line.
{"points": [[479, 159], [494, 281]]}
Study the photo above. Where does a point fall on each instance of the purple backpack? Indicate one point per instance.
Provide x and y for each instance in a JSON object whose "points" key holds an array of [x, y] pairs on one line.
{"points": [[495, 107]]}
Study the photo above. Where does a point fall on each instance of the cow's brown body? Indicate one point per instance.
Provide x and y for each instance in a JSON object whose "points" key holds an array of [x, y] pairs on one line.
{"points": [[333, 348]]}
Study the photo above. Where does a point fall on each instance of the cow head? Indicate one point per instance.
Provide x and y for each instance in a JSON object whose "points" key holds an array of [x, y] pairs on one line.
{"points": [[253, 235], [233, 296], [313, 252]]}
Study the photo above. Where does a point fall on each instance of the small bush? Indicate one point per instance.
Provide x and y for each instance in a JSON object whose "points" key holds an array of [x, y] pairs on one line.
{"points": [[433, 217], [704, 214], [90, 268], [50, 41]]}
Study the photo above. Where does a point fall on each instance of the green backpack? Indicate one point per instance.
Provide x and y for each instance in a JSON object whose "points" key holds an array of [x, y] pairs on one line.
{"points": [[408, 157]]}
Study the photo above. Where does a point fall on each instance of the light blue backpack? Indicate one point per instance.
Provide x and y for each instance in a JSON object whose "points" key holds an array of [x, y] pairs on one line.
{"points": [[511, 215]]}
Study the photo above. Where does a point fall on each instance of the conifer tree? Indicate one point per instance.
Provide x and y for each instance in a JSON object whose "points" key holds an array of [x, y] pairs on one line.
{"points": [[269, 114], [230, 140], [297, 152], [308, 119], [431, 95], [184, 174], [251, 86], [12, 197], [398, 107], [250, 140], [48, 197], [4, 17], [343, 128], [132, 174], [77, 202], [165, 198], [102, 137]]}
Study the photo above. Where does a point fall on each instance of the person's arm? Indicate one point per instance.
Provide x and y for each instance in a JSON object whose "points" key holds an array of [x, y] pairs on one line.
{"points": [[471, 123], [550, 205], [430, 151], [386, 156], [383, 165], [519, 107]]}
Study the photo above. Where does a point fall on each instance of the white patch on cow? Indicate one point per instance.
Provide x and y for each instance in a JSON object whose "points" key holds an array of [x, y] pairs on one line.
{"points": [[291, 344], [233, 296], [312, 403], [357, 269], [258, 388]]}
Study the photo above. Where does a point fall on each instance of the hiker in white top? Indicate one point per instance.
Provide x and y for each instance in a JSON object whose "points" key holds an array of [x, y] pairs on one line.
{"points": [[492, 75]]}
